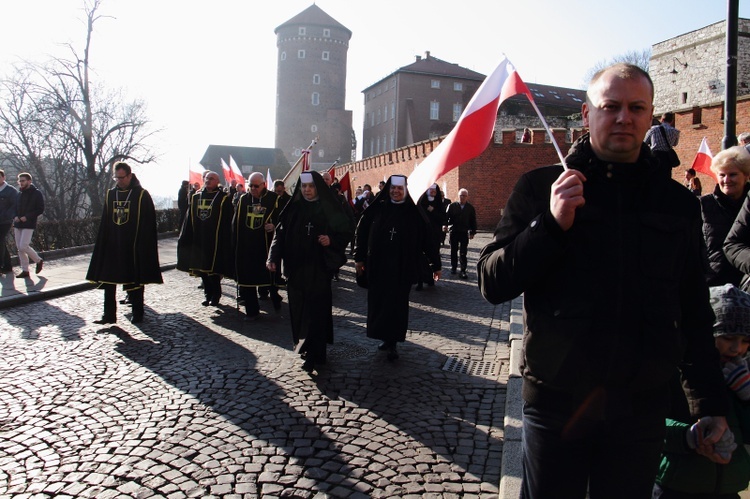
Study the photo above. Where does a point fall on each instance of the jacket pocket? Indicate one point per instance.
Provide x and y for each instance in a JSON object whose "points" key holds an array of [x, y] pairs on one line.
{"points": [[662, 245]]}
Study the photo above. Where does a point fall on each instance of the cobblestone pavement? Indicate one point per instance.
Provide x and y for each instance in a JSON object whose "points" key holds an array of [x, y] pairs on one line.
{"points": [[196, 402]]}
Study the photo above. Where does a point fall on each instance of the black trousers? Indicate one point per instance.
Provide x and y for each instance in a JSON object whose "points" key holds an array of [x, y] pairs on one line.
{"points": [[135, 297], [459, 248], [249, 295], [4, 253], [211, 287]]}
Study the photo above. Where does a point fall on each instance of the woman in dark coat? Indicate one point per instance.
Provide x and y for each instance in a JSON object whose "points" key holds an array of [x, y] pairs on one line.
{"points": [[391, 237], [311, 239], [720, 208], [431, 204]]}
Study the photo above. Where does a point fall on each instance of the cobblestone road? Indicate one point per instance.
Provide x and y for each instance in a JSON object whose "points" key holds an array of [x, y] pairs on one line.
{"points": [[195, 402]]}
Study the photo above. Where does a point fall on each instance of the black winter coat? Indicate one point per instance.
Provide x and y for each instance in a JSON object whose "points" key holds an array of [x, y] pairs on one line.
{"points": [[619, 300], [718, 212]]}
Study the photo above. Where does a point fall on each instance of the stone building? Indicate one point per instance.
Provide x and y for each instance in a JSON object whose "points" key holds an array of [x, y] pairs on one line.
{"points": [[311, 88], [689, 70], [423, 101]]}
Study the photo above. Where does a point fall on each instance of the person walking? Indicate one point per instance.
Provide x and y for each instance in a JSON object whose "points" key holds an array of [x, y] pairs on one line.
{"points": [[8, 202], [310, 241], [607, 254], [125, 252], [461, 221], [29, 207], [391, 237]]}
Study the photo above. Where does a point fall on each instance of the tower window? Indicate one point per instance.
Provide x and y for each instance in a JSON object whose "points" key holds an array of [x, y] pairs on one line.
{"points": [[434, 110], [434, 83], [458, 86], [283, 56], [326, 55], [316, 79], [327, 33], [315, 98], [302, 31], [301, 54]]}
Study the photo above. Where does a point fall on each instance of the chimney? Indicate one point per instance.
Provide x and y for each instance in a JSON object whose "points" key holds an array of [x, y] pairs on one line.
{"points": [[419, 58], [427, 54]]}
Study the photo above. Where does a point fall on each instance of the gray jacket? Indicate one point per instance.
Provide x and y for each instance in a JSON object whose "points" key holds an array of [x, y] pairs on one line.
{"points": [[8, 199]]}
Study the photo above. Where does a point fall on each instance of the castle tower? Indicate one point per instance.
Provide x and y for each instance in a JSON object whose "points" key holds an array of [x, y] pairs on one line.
{"points": [[311, 88]]}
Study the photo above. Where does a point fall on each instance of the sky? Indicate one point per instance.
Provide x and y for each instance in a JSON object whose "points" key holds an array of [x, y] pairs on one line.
{"points": [[207, 70]]}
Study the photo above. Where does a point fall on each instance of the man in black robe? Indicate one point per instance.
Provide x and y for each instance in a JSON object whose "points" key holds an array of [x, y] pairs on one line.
{"points": [[391, 237], [204, 245], [252, 231], [126, 246], [311, 241]]}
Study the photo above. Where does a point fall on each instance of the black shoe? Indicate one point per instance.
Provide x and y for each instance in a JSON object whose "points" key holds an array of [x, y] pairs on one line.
{"points": [[252, 317], [336, 277], [39, 266], [200, 286], [308, 365], [386, 345], [277, 305], [453, 271], [463, 275], [23, 275], [137, 319], [206, 303], [106, 320], [125, 301], [393, 354], [419, 287]]}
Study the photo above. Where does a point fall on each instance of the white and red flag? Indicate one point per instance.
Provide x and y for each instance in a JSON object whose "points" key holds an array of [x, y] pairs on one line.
{"points": [[703, 159], [474, 128], [226, 171], [346, 186], [196, 175], [236, 172], [269, 179]]}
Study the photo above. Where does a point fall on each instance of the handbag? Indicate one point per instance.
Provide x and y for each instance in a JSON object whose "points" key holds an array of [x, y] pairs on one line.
{"points": [[668, 158]]}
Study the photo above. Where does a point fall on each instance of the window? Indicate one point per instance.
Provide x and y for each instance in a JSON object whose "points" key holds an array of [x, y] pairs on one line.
{"points": [[393, 109], [433, 135], [457, 109], [372, 119], [316, 79], [301, 54], [298, 152], [283, 56], [315, 98], [377, 120], [434, 83], [321, 153], [458, 86], [385, 113], [327, 33], [326, 55], [434, 110], [684, 98], [302, 31], [314, 128], [393, 143]]}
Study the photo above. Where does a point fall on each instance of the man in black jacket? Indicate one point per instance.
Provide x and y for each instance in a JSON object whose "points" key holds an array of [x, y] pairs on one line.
{"points": [[607, 255], [30, 205], [461, 220]]}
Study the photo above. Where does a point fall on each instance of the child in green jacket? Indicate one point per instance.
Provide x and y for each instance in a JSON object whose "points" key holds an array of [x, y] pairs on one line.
{"points": [[684, 474]]}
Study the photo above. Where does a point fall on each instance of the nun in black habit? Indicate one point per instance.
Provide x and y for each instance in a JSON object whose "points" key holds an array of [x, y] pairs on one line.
{"points": [[311, 239], [391, 237]]}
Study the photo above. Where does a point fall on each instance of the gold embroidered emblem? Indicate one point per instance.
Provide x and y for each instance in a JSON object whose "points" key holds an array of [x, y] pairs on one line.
{"points": [[121, 212], [255, 216]]}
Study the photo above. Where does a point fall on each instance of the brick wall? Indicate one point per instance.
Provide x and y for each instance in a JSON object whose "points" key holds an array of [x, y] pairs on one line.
{"points": [[489, 178]]}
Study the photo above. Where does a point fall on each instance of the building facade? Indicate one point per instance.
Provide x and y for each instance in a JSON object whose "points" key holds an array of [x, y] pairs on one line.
{"points": [[311, 88]]}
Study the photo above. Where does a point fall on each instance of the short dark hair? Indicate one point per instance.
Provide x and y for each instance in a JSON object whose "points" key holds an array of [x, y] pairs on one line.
{"points": [[668, 117], [278, 183], [121, 165], [25, 175], [2, 173], [691, 171]]}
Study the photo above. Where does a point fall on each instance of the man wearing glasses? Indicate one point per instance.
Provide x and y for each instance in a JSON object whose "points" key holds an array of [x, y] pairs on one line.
{"points": [[29, 207], [252, 232], [126, 246]]}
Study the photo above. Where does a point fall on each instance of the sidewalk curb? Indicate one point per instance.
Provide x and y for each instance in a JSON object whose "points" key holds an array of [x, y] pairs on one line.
{"points": [[511, 465], [68, 289]]}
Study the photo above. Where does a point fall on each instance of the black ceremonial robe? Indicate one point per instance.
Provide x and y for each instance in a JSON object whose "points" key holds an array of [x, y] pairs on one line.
{"points": [[307, 270], [126, 245], [250, 239], [204, 243], [391, 239]]}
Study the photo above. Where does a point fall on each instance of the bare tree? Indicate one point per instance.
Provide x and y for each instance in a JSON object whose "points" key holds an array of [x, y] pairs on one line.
{"points": [[639, 58], [68, 131]]}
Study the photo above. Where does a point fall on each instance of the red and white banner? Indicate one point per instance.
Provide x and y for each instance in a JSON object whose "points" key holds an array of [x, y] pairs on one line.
{"points": [[474, 128], [236, 172], [227, 172], [703, 159], [346, 186], [196, 175]]}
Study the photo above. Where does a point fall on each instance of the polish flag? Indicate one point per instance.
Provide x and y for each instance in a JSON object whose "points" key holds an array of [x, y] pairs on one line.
{"points": [[226, 171], [236, 172], [702, 161], [196, 175], [474, 128], [346, 186]]}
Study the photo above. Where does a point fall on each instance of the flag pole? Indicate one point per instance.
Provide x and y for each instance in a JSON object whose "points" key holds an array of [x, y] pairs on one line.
{"points": [[302, 157], [551, 137]]}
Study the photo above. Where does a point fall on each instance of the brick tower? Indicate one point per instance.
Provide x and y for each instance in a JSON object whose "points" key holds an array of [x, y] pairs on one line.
{"points": [[311, 88]]}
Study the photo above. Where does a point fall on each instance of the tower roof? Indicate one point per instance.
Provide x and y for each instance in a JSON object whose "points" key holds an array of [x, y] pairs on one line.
{"points": [[313, 16]]}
